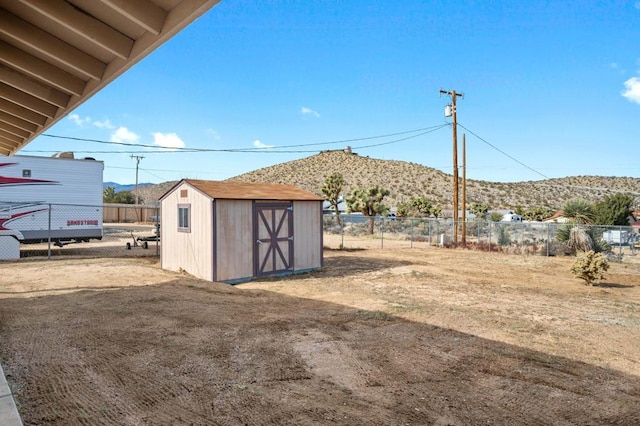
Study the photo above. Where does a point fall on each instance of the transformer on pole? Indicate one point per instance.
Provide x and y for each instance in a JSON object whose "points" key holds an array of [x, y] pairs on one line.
{"points": [[450, 111]]}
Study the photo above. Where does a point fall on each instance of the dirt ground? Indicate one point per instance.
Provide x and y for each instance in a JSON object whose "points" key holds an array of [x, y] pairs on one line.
{"points": [[391, 337]]}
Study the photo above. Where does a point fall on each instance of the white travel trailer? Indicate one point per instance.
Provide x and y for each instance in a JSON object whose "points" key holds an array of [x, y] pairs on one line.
{"points": [[512, 217], [46, 198]]}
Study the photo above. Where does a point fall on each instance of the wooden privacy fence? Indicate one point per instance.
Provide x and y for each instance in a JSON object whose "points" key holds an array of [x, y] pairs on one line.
{"points": [[129, 213]]}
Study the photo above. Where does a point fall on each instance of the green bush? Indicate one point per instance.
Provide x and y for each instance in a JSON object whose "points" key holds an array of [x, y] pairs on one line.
{"points": [[590, 267]]}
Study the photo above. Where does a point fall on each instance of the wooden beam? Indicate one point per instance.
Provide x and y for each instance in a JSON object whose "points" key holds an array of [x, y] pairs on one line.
{"points": [[8, 145], [10, 137], [84, 25], [27, 101], [32, 87], [18, 122], [23, 113], [4, 150], [41, 70], [14, 130], [24, 33], [142, 12]]}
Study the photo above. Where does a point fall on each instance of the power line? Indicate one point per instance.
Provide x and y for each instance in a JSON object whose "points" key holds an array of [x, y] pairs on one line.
{"points": [[262, 150], [504, 153], [255, 149]]}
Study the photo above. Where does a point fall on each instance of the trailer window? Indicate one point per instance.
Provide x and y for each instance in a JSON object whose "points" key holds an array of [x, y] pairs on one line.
{"points": [[184, 217]]}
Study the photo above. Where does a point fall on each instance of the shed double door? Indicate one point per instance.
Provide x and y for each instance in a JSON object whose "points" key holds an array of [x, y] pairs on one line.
{"points": [[273, 228]]}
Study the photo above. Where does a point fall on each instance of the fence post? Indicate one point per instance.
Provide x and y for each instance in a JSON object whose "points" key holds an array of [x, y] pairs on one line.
{"points": [[453, 232], [620, 246], [382, 233], [49, 234], [489, 223], [411, 225], [548, 239]]}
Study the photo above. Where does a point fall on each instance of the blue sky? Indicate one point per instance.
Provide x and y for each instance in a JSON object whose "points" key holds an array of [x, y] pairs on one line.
{"points": [[553, 84]]}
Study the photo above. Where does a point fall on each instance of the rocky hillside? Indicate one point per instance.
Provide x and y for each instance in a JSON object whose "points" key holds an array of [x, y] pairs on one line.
{"points": [[406, 180]]}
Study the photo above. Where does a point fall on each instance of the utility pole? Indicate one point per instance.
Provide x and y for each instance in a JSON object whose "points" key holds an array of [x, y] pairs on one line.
{"points": [[464, 190], [137, 158], [453, 113]]}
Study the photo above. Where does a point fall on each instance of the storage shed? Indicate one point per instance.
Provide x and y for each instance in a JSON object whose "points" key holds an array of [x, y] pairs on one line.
{"points": [[235, 231]]}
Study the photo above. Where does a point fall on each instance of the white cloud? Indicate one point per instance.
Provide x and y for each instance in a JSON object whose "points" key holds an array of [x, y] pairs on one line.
{"points": [[168, 140], [78, 120], [309, 111], [258, 144], [637, 5], [106, 124], [614, 65], [632, 91], [124, 135]]}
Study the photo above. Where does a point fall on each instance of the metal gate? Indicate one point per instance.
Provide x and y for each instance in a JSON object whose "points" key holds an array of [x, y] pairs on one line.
{"points": [[273, 229]]}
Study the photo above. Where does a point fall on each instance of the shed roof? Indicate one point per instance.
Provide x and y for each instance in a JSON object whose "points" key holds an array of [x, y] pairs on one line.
{"points": [[248, 190]]}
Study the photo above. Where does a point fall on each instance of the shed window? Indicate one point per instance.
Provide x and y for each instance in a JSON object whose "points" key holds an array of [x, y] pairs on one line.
{"points": [[184, 217]]}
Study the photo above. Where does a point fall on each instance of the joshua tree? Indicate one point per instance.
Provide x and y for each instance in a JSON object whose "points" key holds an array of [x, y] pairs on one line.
{"points": [[479, 209], [332, 189], [368, 202], [108, 194], [538, 213], [418, 206]]}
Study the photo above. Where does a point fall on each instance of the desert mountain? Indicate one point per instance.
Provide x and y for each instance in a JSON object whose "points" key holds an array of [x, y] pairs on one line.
{"points": [[407, 180]]}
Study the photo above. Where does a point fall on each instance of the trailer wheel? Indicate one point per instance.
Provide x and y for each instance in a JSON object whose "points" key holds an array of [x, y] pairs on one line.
{"points": [[145, 245], [128, 246]]}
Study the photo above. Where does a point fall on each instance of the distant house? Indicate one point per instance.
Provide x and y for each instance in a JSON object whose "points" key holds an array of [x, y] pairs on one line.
{"points": [[235, 231], [557, 217], [327, 208], [634, 221]]}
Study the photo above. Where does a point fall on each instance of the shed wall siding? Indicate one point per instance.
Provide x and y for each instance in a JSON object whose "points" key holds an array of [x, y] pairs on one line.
{"points": [[234, 235], [191, 251], [307, 231]]}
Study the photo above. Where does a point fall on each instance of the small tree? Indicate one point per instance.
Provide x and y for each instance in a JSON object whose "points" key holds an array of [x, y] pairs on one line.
{"points": [[436, 211], [613, 210], [422, 206], [417, 207], [109, 195], [403, 210], [590, 267], [538, 213], [479, 209], [332, 189], [495, 217], [368, 202]]}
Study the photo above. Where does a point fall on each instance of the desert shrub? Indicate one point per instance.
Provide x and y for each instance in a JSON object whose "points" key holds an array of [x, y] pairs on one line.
{"points": [[590, 267], [331, 225], [504, 238]]}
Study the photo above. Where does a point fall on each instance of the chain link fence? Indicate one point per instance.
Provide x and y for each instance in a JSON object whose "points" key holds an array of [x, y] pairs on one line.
{"points": [[41, 230], [54, 230], [534, 238]]}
